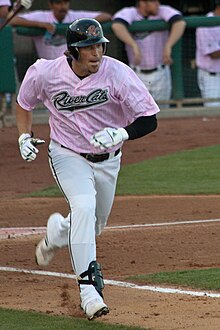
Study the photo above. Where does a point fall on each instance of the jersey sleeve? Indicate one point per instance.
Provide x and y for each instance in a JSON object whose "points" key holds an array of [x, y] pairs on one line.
{"points": [[36, 15], [169, 14], [28, 94], [5, 3], [126, 14]]}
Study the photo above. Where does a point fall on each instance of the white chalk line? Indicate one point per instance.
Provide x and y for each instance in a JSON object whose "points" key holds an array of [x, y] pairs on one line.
{"points": [[117, 283], [26, 231], [13, 232], [163, 224], [16, 232]]}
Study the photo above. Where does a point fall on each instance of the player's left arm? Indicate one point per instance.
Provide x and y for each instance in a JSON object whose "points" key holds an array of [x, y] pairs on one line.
{"points": [[177, 29], [103, 17], [109, 137]]}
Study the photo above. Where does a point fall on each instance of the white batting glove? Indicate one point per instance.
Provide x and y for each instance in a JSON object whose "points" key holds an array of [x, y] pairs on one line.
{"points": [[109, 137], [26, 3], [27, 146]]}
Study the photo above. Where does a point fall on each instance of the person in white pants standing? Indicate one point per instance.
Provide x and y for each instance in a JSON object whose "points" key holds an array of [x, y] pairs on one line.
{"points": [[95, 104]]}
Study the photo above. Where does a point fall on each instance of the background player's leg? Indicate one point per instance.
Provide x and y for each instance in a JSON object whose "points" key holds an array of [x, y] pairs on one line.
{"points": [[158, 83], [209, 87]]}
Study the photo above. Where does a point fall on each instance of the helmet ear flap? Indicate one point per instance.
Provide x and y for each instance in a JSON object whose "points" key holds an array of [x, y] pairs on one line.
{"points": [[104, 46], [74, 52]]}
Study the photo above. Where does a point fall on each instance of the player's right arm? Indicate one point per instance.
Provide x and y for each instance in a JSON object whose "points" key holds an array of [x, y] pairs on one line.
{"points": [[23, 119], [27, 144], [4, 8], [20, 21], [215, 55], [26, 101], [3, 11], [123, 34], [103, 17]]}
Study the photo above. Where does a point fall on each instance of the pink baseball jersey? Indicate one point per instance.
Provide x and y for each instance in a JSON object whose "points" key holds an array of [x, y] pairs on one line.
{"points": [[112, 97], [56, 45], [5, 3], [208, 41], [150, 43]]}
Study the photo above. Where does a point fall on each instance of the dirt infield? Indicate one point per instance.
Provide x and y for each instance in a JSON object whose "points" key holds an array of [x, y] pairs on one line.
{"points": [[122, 252]]}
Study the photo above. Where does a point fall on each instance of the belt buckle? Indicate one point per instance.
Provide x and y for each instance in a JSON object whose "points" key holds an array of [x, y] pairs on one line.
{"points": [[88, 157]]}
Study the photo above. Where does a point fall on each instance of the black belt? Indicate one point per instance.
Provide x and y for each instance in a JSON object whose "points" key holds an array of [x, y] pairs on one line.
{"points": [[95, 158], [213, 73], [146, 71]]}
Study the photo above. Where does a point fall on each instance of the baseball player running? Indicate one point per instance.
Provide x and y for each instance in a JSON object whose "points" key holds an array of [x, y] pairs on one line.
{"points": [[95, 104], [149, 53]]}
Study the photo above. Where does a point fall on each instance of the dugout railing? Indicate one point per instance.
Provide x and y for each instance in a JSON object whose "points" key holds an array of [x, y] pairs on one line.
{"points": [[185, 92]]}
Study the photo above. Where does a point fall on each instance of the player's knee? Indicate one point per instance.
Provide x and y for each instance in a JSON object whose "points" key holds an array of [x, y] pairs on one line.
{"points": [[83, 206]]}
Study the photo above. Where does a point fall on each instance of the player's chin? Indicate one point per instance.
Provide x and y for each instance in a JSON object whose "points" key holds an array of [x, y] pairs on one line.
{"points": [[93, 68]]}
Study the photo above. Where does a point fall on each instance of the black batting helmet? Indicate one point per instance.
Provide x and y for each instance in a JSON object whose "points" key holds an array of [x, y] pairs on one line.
{"points": [[84, 32]]}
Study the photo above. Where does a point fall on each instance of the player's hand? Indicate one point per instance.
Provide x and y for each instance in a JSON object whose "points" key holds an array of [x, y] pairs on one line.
{"points": [[109, 137], [167, 59], [26, 3], [137, 54], [27, 146]]}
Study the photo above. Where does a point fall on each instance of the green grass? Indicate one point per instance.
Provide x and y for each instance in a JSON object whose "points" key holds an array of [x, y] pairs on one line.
{"points": [[189, 172], [20, 320], [204, 279], [51, 191]]}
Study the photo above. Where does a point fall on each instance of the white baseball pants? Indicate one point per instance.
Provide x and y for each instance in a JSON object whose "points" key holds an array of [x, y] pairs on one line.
{"points": [[158, 83], [89, 189], [209, 86]]}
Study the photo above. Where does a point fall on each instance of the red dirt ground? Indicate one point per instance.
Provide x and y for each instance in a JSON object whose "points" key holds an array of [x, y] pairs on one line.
{"points": [[121, 252]]}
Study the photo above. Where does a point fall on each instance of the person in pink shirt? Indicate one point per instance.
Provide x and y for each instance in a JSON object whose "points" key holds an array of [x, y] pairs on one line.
{"points": [[208, 59], [95, 104], [149, 53], [52, 45]]}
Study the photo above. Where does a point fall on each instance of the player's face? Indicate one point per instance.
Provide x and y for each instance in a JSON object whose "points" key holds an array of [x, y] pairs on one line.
{"points": [[89, 60], [149, 7], [60, 9]]}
